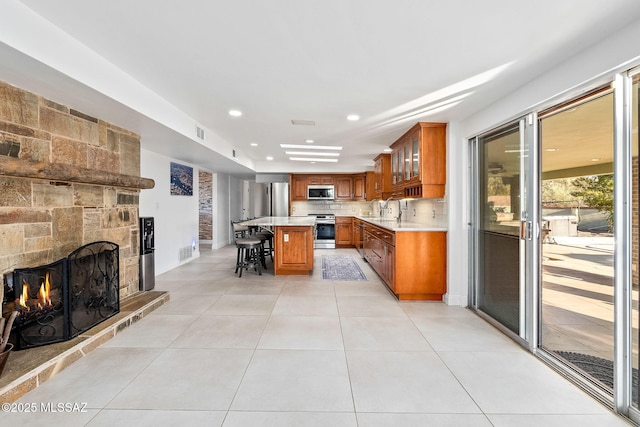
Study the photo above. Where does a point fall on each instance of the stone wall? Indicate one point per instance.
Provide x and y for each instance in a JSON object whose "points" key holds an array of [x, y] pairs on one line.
{"points": [[205, 224], [42, 220]]}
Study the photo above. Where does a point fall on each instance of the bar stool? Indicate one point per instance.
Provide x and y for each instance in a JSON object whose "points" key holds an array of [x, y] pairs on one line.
{"points": [[265, 237], [239, 230], [248, 255]]}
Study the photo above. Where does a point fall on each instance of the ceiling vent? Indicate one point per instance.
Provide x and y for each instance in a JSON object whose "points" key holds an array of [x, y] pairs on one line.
{"points": [[303, 122], [200, 132]]}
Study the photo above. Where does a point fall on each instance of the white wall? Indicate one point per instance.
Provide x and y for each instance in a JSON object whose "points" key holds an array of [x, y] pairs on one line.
{"points": [[227, 207], [176, 217], [237, 189], [221, 219], [590, 67]]}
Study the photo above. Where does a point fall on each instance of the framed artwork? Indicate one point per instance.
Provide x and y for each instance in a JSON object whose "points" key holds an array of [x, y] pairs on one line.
{"points": [[181, 180]]}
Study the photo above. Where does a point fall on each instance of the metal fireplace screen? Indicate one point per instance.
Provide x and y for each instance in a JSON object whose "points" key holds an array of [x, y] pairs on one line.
{"points": [[59, 301]]}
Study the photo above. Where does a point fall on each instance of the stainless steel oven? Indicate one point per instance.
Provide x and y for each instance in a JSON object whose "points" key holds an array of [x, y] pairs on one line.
{"points": [[325, 231]]}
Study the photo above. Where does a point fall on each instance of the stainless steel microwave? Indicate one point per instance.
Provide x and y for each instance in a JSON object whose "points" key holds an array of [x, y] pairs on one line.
{"points": [[320, 192]]}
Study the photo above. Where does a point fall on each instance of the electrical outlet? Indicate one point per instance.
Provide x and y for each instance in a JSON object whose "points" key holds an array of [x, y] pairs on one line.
{"points": [[286, 237], [414, 212], [433, 213]]}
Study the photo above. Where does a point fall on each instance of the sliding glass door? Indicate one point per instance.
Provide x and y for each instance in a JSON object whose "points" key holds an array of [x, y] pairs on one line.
{"points": [[502, 226], [554, 236], [578, 250]]}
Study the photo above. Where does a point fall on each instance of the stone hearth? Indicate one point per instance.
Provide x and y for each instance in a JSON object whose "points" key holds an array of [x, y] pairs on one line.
{"points": [[28, 369]]}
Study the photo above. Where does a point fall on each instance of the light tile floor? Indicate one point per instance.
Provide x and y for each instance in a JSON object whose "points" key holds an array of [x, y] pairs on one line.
{"points": [[302, 351]]}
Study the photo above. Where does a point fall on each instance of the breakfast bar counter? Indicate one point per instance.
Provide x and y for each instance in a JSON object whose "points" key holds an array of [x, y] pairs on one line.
{"points": [[292, 243]]}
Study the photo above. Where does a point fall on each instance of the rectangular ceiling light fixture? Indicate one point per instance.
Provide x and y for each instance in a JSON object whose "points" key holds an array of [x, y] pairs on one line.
{"points": [[312, 153], [312, 159], [311, 147]]}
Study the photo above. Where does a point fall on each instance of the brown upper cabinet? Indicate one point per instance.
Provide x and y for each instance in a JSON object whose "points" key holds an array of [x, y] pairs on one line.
{"points": [[343, 187], [382, 186], [347, 187], [320, 179], [298, 188], [419, 161], [360, 187]]}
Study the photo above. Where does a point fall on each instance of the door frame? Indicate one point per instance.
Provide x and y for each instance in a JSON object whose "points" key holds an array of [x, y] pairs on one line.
{"points": [[528, 131]]}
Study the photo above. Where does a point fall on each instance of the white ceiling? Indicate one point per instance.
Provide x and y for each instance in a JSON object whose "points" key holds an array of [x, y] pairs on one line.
{"points": [[391, 62]]}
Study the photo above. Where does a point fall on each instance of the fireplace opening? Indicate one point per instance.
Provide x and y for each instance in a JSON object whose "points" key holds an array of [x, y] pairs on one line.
{"points": [[61, 300]]}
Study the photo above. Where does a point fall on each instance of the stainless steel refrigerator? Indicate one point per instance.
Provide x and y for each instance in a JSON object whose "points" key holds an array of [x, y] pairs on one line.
{"points": [[268, 199]]}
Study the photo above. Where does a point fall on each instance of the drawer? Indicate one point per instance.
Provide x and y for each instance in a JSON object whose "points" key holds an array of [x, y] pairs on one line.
{"points": [[380, 233]]}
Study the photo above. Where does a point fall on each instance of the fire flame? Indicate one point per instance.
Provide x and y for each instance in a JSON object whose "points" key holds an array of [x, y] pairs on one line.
{"points": [[44, 298], [25, 296], [45, 290]]}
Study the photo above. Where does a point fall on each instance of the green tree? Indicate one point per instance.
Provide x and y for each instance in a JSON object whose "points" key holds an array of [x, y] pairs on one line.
{"points": [[558, 192], [596, 192]]}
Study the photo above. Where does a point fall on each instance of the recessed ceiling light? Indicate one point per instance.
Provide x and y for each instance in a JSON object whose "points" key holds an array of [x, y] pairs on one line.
{"points": [[311, 159], [269, 158], [595, 159], [353, 117], [312, 153], [315, 147], [235, 113], [551, 150], [387, 150], [309, 141], [254, 144]]}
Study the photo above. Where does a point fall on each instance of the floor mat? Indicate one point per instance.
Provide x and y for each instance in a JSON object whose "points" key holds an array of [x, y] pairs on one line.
{"points": [[597, 367], [341, 267]]}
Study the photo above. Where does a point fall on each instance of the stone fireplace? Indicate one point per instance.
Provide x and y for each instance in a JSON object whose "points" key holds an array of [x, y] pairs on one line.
{"points": [[61, 300], [66, 180]]}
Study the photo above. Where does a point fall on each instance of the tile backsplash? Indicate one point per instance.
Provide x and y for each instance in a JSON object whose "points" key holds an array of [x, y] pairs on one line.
{"points": [[430, 212], [331, 207]]}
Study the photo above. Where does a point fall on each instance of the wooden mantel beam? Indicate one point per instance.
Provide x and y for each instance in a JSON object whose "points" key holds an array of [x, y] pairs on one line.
{"points": [[20, 168]]}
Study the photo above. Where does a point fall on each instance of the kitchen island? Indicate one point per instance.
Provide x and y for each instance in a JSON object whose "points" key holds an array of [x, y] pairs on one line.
{"points": [[292, 242]]}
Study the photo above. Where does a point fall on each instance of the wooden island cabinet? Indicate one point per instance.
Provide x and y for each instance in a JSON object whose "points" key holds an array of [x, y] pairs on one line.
{"points": [[293, 250], [292, 243]]}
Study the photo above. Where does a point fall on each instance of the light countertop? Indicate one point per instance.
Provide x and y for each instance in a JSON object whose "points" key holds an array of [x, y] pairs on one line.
{"points": [[306, 221], [392, 224], [280, 221]]}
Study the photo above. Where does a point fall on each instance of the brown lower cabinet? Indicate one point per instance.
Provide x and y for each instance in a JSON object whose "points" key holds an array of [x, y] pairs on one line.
{"points": [[293, 250], [412, 264]]}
